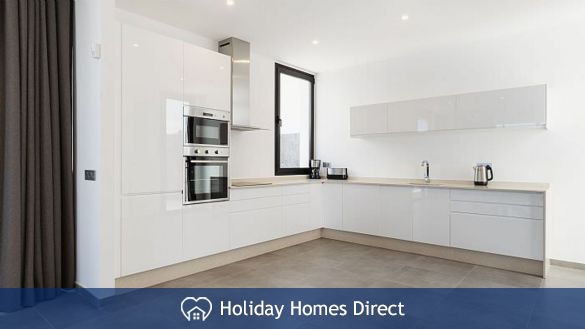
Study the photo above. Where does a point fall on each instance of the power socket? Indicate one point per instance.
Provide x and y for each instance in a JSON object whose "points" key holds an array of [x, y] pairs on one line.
{"points": [[90, 175]]}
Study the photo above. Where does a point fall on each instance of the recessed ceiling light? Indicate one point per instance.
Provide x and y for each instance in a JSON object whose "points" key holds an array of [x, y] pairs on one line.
{"points": [[315, 42], [404, 17], [230, 2], [135, 45]]}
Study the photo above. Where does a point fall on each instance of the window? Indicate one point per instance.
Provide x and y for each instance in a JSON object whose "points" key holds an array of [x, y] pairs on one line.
{"points": [[295, 91]]}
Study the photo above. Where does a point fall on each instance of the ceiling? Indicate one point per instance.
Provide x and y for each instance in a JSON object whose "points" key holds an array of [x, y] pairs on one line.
{"points": [[351, 32]]}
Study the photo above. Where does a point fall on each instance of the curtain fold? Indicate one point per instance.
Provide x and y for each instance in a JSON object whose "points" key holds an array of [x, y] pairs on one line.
{"points": [[37, 223]]}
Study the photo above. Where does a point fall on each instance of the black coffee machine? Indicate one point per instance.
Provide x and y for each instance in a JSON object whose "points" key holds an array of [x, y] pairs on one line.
{"points": [[315, 167]]}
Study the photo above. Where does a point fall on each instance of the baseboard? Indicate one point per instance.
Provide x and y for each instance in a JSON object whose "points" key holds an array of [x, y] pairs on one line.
{"points": [[564, 263], [528, 266], [172, 272]]}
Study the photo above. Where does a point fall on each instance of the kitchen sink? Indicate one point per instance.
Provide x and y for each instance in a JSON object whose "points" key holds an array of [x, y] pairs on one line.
{"points": [[425, 184]]}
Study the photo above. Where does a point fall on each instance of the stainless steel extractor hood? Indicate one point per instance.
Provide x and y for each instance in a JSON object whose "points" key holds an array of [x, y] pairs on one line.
{"points": [[239, 50]]}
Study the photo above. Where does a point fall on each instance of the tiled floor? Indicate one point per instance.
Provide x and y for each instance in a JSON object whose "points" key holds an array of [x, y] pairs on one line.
{"points": [[328, 263]]}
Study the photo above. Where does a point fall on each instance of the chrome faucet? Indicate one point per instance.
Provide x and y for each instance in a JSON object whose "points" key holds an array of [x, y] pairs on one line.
{"points": [[427, 165]]}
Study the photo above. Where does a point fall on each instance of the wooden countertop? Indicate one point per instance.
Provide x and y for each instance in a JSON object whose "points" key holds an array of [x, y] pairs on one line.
{"points": [[454, 184]]}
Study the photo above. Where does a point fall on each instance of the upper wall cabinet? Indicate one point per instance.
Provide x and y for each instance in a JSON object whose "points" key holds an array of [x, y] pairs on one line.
{"points": [[421, 115], [152, 112], [515, 107], [369, 119], [207, 78]]}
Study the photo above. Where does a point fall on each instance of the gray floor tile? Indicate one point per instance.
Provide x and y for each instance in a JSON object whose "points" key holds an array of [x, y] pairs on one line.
{"points": [[329, 263]]}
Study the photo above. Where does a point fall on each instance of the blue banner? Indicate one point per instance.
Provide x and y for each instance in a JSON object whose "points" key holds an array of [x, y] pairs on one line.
{"points": [[296, 308]]}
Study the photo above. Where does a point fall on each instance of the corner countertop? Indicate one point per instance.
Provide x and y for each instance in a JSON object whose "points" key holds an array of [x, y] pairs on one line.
{"points": [[455, 184]]}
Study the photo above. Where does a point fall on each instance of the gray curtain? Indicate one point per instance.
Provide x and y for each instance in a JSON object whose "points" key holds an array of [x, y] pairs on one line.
{"points": [[37, 224]]}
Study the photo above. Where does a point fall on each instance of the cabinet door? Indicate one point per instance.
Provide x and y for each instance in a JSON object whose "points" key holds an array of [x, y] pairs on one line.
{"points": [[255, 226], [152, 112], [431, 216], [397, 212], [525, 106], [361, 209], [316, 206], [421, 115], [151, 231], [205, 230], [499, 235], [207, 78], [368, 119], [332, 205], [297, 218]]}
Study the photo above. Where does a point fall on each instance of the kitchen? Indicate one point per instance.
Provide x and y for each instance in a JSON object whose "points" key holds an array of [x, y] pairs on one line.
{"points": [[198, 111]]}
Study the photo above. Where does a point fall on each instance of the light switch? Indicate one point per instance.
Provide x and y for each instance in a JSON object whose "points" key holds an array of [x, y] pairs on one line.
{"points": [[96, 50]]}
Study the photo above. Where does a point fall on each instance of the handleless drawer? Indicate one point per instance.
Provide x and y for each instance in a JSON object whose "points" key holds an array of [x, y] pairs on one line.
{"points": [[499, 235], [296, 189], [296, 199], [512, 198], [254, 204], [497, 209], [255, 192]]}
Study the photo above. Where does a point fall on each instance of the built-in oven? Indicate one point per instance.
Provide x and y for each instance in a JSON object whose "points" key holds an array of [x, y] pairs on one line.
{"points": [[206, 127], [206, 174]]}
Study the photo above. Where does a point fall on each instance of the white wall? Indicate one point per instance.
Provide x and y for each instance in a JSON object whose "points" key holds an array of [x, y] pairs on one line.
{"points": [[554, 56], [87, 140], [95, 106]]}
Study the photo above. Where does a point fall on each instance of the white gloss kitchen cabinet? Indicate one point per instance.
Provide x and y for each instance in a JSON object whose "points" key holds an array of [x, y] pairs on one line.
{"points": [[152, 112], [361, 209], [207, 78], [332, 200], [265, 213], [397, 212], [255, 215], [151, 231], [299, 214], [505, 223], [406, 213], [427, 114], [430, 222], [205, 229], [369, 119], [513, 107]]}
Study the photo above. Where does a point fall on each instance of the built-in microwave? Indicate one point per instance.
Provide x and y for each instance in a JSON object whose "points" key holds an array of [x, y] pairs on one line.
{"points": [[206, 174], [206, 127]]}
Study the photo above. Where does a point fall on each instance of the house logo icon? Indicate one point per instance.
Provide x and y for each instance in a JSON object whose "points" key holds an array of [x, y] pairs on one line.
{"points": [[196, 309]]}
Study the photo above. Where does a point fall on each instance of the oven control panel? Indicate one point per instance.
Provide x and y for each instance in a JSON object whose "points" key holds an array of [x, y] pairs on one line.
{"points": [[204, 151]]}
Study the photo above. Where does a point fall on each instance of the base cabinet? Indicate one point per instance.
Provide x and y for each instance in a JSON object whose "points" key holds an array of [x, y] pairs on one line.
{"points": [[361, 209], [332, 205], [151, 232], [397, 212], [297, 218], [158, 230], [499, 235], [255, 226], [205, 230], [316, 206], [430, 223]]}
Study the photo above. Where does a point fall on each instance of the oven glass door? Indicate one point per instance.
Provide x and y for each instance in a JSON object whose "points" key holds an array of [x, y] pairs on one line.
{"points": [[206, 131], [206, 180]]}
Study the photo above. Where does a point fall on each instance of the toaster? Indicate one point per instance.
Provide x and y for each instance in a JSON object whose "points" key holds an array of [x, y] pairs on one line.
{"points": [[337, 173]]}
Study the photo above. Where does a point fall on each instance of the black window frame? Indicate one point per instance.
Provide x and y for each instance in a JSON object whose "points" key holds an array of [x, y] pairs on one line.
{"points": [[283, 69]]}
